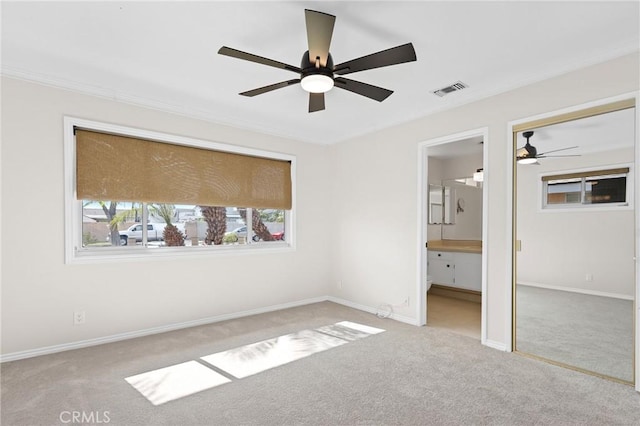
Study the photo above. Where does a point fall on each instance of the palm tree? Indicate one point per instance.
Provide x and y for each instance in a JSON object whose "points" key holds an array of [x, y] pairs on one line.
{"points": [[114, 218], [171, 234], [259, 228], [216, 218]]}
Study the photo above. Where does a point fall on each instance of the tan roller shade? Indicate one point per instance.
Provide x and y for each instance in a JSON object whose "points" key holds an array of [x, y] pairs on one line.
{"points": [[591, 173], [118, 168]]}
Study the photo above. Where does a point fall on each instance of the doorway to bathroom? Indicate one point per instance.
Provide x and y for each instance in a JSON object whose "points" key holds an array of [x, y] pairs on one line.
{"points": [[453, 185]]}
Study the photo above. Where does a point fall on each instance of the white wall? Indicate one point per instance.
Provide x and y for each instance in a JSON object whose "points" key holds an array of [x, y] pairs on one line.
{"points": [[559, 248], [40, 292], [378, 263], [364, 181], [460, 166]]}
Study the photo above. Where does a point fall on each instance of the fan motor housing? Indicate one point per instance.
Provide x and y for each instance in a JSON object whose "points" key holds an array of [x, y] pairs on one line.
{"points": [[310, 68]]}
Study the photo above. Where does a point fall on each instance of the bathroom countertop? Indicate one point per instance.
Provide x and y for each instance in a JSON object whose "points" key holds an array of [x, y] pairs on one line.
{"points": [[461, 246]]}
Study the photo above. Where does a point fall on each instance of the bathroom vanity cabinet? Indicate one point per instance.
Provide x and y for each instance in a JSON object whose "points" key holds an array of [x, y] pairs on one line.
{"points": [[457, 269]]}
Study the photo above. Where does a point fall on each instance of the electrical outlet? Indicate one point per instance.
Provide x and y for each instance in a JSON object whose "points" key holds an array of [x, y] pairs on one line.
{"points": [[589, 277], [339, 284], [79, 317], [406, 302]]}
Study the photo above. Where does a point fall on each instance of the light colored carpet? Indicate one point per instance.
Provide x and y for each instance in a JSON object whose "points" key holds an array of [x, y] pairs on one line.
{"points": [[590, 332], [405, 376]]}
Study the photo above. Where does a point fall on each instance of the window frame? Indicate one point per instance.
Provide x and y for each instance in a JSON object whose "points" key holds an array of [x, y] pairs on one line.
{"points": [[75, 253], [594, 171]]}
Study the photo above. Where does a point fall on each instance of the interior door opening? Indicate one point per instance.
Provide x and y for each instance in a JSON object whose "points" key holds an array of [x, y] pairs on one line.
{"points": [[454, 217]]}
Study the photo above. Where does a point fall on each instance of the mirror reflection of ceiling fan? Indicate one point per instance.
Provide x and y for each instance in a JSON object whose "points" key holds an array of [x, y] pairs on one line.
{"points": [[528, 154]]}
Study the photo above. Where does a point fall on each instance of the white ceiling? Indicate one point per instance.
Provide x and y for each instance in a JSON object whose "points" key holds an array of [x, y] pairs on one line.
{"points": [[462, 147], [164, 54], [604, 132]]}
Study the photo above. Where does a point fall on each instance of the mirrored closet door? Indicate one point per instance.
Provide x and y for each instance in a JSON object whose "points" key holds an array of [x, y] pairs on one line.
{"points": [[574, 251]]}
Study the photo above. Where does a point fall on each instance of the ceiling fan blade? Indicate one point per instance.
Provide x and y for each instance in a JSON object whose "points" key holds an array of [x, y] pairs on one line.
{"points": [[555, 156], [374, 92], [393, 56], [316, 102], [227, 51], [319, 32], [556, 150], [269, 88]]}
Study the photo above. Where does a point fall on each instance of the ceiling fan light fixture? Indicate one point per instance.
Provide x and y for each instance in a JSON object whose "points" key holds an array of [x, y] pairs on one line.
{"points": [[317, 71], [527, 160], [317, 83], [528, 154]]}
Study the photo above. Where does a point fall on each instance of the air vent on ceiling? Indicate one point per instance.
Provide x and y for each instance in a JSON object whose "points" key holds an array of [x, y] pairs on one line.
{"points": [[458, 85]]}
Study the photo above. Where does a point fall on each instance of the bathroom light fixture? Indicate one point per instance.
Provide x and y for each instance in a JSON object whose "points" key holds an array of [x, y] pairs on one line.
{"points": [[478, 176]]}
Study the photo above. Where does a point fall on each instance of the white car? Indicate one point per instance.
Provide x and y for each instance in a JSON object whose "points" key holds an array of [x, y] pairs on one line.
{"points": [[240, 233]]}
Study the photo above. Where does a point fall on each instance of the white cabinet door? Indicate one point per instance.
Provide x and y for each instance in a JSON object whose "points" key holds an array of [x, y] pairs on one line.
{"points": [[441, 271], [468, 271]]}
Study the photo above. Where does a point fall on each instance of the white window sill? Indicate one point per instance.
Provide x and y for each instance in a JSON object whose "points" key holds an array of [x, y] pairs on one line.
{"points": [[579, 208], [137, 254]]}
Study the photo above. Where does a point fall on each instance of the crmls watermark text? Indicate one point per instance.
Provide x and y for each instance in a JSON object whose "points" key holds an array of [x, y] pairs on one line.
{"points": [[84, 417]]}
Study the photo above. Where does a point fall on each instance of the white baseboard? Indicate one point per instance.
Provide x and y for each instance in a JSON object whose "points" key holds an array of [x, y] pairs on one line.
{"points": [[576, 290], [365, 308], [496, 345], [14, 356]]}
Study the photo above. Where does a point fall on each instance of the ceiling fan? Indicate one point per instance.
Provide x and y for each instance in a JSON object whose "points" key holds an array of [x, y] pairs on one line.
{"points": [[317, 72], [528, 154]]}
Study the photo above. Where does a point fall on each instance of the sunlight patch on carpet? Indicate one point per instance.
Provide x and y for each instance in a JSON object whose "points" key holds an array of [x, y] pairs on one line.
{"points": [[180, 380], [348, 330], [257, 357], [169, 383]]}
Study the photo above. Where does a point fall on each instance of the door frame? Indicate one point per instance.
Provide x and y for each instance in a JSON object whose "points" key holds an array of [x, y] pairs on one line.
{"points": [[423, 215], [558, 116]]}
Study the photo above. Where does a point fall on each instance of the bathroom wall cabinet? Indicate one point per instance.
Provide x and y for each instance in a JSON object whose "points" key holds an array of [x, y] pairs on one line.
{"points": [[458, 270]]}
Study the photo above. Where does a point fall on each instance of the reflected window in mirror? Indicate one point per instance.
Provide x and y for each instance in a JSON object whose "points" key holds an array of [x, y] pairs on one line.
{"points": [[609, 187], [436, 213], [442, 208]]}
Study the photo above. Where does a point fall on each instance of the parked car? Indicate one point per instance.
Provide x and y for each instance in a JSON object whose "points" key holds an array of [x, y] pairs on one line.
{"points": [[241, 232], [154, 232], [238, 233]]}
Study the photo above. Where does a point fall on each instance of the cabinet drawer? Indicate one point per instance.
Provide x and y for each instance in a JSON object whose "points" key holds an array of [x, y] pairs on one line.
{"points": [[439, 255]]}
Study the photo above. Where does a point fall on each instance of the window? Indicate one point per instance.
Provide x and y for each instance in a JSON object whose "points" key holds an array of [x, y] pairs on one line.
{"points": [[131, 192], [587, 189]]}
